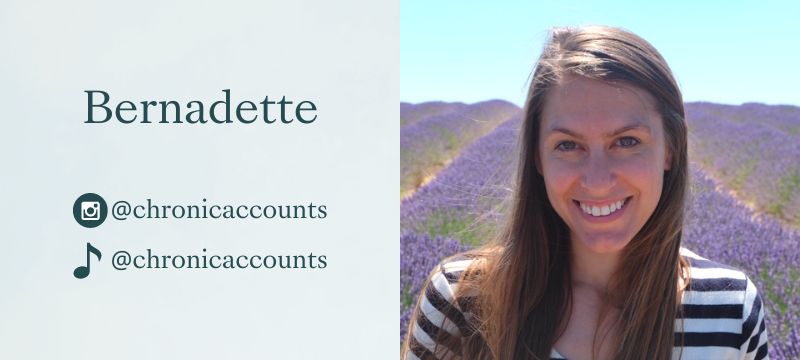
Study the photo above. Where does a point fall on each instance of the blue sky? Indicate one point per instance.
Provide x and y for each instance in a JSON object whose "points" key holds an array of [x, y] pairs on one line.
{"points": [[725, 52]]}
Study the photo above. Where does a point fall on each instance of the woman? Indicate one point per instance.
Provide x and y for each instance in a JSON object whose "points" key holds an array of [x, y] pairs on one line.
{"points": [[590, 265]]}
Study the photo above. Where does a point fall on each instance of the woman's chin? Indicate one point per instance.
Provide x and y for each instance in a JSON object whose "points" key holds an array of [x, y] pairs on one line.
{"points": [[605, 243]]}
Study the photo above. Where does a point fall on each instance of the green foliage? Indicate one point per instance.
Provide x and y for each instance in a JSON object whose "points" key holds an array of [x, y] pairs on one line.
{"points": [[742, 173], [787, 185], [451, 143], [462, 228], [406, 298], [780, 305]]}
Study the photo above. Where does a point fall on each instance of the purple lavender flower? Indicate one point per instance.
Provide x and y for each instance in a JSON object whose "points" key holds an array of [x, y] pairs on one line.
{"points": [[419, 255], [733, 142], [431, 143], [467, 198], [412, 113]]}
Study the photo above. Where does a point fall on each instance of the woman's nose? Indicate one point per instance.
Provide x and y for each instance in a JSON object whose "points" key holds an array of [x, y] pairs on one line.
{"points": [[598, 176]]}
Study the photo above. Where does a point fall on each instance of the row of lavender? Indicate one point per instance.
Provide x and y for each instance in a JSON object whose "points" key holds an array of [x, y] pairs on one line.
{"points": [[412, 113], [785, 118], [464, 205], [721, 229], [466, 199], [435, 133], [732, 145]]}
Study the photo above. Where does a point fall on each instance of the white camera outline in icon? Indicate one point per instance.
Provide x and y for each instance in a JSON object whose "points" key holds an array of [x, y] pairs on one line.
{"points": [[93, 207]]}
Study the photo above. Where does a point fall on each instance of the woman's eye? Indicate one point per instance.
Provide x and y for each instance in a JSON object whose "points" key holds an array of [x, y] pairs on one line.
{"points": [[566, 146], [628, 141], [625, 142]]}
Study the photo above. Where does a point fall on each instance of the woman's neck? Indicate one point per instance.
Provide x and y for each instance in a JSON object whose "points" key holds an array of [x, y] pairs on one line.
{"points": [[592, 269]]}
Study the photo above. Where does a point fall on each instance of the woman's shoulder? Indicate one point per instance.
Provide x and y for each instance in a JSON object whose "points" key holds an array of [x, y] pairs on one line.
{"points": [[467, 266], [708, 275], [454, 266], [451, 272], [721, 283], [443, 310], [453, 283], [721, 298]]}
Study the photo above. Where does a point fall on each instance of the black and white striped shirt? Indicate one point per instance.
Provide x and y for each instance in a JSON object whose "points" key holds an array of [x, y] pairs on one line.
{"points": [[723, 315]]}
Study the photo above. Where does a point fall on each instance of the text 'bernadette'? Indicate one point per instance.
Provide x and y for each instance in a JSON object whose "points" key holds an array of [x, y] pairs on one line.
{"points": [[268, 111]]}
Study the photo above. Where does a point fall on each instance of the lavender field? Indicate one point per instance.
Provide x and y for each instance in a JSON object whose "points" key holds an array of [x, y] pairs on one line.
{"points": [[437, 132], [754, 150], [743, 211]]}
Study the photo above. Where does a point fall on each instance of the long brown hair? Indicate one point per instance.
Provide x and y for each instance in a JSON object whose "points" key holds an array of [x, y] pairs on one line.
{"points": [[523, 281]]}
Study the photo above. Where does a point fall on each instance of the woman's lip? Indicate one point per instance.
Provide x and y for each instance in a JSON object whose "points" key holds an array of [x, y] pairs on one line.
{"points": [[603, 219], [601, 203]]}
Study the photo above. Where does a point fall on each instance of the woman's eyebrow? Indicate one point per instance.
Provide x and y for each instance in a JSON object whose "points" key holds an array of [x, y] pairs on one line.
{"points": [[636, 126]]}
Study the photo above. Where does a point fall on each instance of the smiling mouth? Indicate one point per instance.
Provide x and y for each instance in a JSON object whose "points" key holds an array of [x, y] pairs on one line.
{"points": [[605, 209]]}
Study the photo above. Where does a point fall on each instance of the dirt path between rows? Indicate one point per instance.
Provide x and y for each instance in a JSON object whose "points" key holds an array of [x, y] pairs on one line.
{"points": [[720, 186]]}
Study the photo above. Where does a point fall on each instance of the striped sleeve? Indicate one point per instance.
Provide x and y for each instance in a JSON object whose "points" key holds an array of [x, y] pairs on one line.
{"points": [[722, 314], [754, 329], [439, 317]]}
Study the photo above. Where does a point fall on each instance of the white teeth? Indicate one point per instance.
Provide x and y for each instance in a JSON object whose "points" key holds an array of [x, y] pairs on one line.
{"points": [[604, 210]]}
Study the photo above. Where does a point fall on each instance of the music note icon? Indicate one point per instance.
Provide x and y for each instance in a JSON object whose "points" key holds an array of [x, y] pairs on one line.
{"points": [[83, 271]]}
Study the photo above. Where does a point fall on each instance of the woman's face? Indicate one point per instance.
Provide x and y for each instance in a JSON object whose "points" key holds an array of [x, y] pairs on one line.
{"points": [[602, 154]]}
